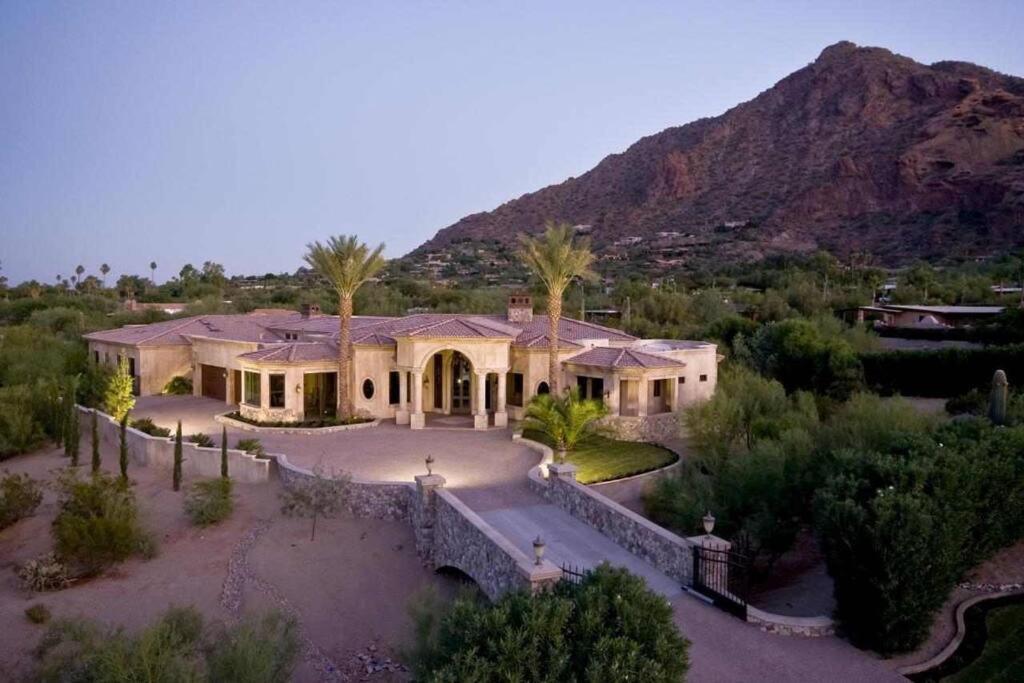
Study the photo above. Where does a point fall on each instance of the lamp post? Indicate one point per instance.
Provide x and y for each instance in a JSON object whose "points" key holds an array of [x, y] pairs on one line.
{"points": [[709, 523], [538, 549], [430, 462]]}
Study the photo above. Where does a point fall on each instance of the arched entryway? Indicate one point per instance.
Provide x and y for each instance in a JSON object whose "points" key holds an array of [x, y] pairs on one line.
{"points": [[452, 385]]}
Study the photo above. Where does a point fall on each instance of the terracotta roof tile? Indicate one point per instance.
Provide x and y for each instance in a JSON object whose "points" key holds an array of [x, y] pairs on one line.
{"points": [[607, 357]]}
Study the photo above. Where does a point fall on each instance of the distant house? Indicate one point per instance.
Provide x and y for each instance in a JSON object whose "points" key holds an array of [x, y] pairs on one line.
{"points": [[169, 307], [892, 315]]}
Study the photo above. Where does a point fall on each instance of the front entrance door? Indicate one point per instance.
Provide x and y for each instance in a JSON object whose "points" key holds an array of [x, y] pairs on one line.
{"points": [[462, 396], [320, 395]]}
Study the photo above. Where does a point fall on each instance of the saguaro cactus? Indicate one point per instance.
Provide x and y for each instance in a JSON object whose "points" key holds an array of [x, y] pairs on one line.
{"points": [[997, 399]]}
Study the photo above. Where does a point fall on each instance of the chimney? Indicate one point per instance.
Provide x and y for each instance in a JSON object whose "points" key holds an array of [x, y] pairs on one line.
{"points": [[310, 310], [520, 308]]}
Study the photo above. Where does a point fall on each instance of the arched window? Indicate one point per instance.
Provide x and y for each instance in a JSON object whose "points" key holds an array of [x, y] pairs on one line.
{"points": [[543, 388], [367, 389]]}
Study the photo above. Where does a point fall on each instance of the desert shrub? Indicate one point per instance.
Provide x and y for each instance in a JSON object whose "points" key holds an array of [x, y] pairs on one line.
{"points": [[179, 386], [177, 647], [97, 522], [146, 425], [45, 573], [609, 627], [209, 501], [118, 399], [20, 495], [262, 650], [201, 440], [37, 613], [20, 428], [252, 447]]}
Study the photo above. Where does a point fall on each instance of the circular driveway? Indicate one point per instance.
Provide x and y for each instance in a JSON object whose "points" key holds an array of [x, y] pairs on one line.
{"points": [[467, 459]]}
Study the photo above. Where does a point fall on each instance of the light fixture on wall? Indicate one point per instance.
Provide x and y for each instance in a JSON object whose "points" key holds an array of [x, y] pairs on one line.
{"points": [[298, 388], [709, 523], [538, 549]]}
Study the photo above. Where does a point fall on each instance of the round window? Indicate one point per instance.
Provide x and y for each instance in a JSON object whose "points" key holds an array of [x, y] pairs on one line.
{"points": [[368, 389], [543, 388]]}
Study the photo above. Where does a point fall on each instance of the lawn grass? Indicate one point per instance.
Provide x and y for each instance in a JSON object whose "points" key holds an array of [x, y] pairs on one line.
{"points": [[1003, 656], [598, 458]]}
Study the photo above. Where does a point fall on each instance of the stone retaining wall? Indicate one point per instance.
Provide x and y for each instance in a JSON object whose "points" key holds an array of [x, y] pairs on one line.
{"points": [[652, 428], [809, 627], [158, 451], [368, 499], [659, 547]]}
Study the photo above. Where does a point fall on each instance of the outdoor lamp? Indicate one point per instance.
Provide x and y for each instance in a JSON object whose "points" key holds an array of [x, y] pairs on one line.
{"points": [[430, 462], [538, 548], [709, 523]]}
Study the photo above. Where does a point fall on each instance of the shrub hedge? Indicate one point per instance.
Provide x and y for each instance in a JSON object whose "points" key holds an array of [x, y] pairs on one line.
{"points": [[942, 372]]}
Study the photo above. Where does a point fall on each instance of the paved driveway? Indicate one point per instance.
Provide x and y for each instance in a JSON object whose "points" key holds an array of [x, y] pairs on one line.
{"points": [[466, 458]]}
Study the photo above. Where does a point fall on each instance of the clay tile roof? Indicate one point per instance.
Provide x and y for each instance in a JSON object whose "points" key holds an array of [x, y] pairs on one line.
{"points": [[606, 357], [455, 325], [294, 352]]}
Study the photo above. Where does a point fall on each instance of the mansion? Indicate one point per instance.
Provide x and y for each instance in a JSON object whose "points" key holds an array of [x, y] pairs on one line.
{"points": [[279, 365]]}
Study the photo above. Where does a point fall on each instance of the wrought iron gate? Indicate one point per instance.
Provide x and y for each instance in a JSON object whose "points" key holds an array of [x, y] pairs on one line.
{"points": [[723, 576]]}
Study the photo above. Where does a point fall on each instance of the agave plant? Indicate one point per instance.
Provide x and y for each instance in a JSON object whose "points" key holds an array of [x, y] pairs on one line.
{"points": [[564, 419]]}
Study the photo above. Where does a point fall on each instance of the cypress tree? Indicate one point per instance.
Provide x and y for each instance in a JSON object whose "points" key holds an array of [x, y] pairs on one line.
{"points": [[95, 441], [177, 458], [123, 448], [224, 452], [69, 413]]}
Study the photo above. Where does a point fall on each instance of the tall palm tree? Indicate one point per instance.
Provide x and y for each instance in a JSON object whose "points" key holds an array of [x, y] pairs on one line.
{"points": [[152, 268], [556, 260], [104, 269], [346, 263]]}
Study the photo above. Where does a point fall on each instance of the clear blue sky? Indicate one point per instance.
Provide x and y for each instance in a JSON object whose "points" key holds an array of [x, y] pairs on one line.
{"points": [[237, 132]]}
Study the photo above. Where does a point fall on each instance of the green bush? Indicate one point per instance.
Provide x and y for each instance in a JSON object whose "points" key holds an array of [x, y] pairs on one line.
{"points": [[97, 522], [252, 447], [145, 425], [20, 428], [20, 495], [201, 440], [209, 501], [37, 613], [900, 526], [610, 627], [178, 647], [262, 650], [179, 386]]}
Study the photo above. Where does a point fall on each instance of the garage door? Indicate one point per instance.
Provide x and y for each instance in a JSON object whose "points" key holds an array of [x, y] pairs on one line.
{"points": [[215, 384]]}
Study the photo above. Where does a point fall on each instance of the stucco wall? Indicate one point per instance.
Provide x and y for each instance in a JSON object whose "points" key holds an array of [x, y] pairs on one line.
{"points": [[158, 452], [375, 364], [160, 364]]}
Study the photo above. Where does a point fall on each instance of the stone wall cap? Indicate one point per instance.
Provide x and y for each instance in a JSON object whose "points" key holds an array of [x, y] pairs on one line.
{"points": [[426, 480], [561, 468]]}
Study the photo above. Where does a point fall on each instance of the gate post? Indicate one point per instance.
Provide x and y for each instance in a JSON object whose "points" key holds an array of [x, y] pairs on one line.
{"points": [[424, 513]]}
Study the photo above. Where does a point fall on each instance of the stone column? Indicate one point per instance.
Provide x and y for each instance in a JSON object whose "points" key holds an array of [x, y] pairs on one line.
{"points": [[424, 513], [264, 392], [479, 401], [642, 390], [402, 412], [613, 395], [500, 414], [416, 418]]}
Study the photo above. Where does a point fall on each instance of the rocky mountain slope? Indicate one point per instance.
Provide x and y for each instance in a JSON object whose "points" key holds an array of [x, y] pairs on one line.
{"points": [[862, 151]]}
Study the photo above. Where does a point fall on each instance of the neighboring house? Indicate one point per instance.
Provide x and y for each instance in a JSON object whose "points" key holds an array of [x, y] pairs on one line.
{"points": [[170, 307], [282, 365], [927, 316]]}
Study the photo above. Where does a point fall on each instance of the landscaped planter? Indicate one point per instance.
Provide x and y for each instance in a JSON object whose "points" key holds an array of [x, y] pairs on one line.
{"points": [[226, 419]]}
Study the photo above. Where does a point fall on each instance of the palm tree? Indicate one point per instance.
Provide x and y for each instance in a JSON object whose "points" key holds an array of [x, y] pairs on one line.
{"points": [[556, 260], [79, 269], [104, 269], [152, 268], [346, 263], [563, 419]]}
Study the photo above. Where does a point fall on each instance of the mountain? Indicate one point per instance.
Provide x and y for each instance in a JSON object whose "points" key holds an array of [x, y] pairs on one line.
{"points": [[862, 151]]}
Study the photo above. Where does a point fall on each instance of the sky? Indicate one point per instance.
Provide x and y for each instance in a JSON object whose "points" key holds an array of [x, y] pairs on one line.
{"points": [[237, 132]]}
